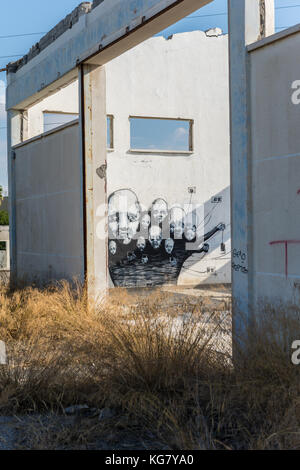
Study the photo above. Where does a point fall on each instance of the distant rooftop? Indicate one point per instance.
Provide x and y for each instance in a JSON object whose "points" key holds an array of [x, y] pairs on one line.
{"points": [[67, 23]]}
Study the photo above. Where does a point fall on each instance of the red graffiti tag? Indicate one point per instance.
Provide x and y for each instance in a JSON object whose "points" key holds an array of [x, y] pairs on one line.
{"points": [[286, 243], [298, 192]]}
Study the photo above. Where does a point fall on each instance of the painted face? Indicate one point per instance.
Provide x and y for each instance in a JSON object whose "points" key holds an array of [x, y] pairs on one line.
{"points": [[177, 222], [112, 247], [190, 231], [169, 245], [159, 210], [123, 215], [141, 244], [145, 222], [155, 237]]}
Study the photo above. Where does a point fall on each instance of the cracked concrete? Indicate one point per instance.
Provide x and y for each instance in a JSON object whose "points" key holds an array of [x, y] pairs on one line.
{"points": [[67, 23]]}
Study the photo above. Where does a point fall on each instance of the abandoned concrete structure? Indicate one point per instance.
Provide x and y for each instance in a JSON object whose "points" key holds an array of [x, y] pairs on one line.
{"points": [[4, 249], [136, 87], [54, 183]]}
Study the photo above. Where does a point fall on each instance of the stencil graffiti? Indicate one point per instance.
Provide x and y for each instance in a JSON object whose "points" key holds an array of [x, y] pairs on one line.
{"points": [[148, 247]]}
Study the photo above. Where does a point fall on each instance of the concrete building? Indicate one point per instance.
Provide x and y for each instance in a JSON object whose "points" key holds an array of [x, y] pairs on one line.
{"points": [[4, 250], [262, 219], [4, 243], [196, 144]]}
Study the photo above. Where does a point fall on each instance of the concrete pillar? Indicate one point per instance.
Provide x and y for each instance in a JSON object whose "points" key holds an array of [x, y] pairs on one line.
{"points": [[92, 91], [14, 131], [249, 21]]}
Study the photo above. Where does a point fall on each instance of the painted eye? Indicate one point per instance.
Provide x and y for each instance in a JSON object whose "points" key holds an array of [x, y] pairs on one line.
{"points": [[113, 218], [132, 217]]}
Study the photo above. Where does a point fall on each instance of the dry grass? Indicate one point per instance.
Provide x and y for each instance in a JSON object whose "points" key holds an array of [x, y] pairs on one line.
{"points": [[163, 365]]}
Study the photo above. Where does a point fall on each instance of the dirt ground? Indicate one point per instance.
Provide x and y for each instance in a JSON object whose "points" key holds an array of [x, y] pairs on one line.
{"points": [[33, 431]]}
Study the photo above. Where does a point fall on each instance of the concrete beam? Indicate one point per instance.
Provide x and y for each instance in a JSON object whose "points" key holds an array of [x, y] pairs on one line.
{"points": [[95, 32]]}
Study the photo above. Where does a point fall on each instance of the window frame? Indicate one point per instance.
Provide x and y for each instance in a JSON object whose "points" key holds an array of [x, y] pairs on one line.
{"points": [[111, 118], [65, 113], [165, 152]]}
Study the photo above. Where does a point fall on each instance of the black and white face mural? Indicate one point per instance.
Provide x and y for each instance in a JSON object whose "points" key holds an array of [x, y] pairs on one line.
{"points": [[150, 247]]}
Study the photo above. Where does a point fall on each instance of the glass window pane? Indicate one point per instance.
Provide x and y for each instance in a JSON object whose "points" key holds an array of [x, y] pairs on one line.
{"points": [[110, 132], [53, 120], [160, 134]]}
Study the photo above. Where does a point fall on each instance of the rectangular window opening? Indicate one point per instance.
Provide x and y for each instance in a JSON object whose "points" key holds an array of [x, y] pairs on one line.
{"points": [[3, 255], [53, 120], [161, 135], [110, 132]]}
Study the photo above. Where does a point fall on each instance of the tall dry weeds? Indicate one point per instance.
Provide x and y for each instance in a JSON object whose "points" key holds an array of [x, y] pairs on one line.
{"points": [[162, 361]]}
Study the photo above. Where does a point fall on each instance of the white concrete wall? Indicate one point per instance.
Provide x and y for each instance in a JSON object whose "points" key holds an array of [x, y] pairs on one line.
{"points": [[275, 136], [65, 100], [183, 77], [48, 207], [186, 77]]}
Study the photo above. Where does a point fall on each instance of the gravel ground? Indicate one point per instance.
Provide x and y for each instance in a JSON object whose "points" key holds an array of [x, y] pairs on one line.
{"points": [[56, 432], [8, 432]]}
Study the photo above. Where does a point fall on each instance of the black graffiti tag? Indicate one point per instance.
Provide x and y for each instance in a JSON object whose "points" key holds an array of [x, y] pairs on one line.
{"points": [[238, 264]]}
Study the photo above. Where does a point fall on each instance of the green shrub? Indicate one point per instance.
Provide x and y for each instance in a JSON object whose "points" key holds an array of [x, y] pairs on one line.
{"points": [[4, 219]]}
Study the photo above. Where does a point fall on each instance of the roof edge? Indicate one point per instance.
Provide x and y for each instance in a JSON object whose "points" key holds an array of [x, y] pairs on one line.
{"points": [[67, 23]]}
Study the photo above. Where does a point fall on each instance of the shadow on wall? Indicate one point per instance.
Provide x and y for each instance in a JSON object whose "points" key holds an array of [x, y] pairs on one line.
{"points": [[155, 245]]}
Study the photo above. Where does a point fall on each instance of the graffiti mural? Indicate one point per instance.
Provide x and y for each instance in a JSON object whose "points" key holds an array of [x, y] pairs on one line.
{"points": [[148, 247]]}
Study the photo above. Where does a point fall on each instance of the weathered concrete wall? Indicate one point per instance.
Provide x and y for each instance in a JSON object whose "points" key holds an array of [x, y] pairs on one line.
{"points": [[187, 77], [275, 157], [249, 21], [65, 100], [183, 77], [48, 200]]}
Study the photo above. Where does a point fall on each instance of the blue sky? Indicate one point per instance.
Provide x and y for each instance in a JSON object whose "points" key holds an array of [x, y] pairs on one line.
{"points": [[37, 16]]}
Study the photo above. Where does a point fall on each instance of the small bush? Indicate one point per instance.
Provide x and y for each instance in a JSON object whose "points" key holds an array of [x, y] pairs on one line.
{"points": [[4, 218]]}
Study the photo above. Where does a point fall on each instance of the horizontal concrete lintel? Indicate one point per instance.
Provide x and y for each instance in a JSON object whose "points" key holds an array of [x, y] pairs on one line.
{"points": [[95, 32], [273, 38]]}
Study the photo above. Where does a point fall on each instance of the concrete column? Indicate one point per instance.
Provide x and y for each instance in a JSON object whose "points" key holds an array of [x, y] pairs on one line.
{"points": [[24, 125], [249, 21], [14, 120], [94, 136]]}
